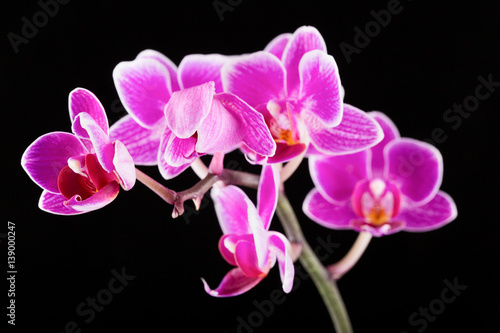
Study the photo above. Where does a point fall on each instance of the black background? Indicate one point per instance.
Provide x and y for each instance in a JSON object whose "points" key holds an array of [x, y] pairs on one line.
{"points": [[426, 59]]}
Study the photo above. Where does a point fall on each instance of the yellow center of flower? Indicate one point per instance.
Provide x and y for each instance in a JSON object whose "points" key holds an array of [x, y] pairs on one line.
{"points": [[377, 201], [287, 136], [282, 124], [377, 216]]}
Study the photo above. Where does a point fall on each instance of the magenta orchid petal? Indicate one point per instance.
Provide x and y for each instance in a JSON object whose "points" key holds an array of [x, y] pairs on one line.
{"points": [[234, 283], [312, 151], [285, 152], [142, 143], [86, 127], [81, 132], [378, 231], [246, 259], [187, 109], [252, 157], [390, 133], [179, 151], [144, 87], [48, 155], [166, 62], [357, 131], [166, 170], [417, 168], [280, 247], [124, 166], [303, 40], [196, 69], [254, 131], [100, 199], [230, 204], [260, 237], [267, 194], [434, 214], [319, 90], [256, 78], [54, 203], [227, 246], [220, 131], [83, 100], [326, 213], [336, 176], [169, 172], [277, 45]]}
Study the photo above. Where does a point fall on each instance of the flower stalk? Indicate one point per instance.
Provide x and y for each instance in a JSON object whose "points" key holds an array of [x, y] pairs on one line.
{"points": [[166, 194], [321, 277], [292, 166], [344, 265], [197, 191]]}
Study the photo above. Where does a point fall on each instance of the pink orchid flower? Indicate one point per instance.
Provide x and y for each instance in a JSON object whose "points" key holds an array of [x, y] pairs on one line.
{"points": [[83, 171], [247, 242], [199, 122], [295, 84], [145, 86], [391, 187]]}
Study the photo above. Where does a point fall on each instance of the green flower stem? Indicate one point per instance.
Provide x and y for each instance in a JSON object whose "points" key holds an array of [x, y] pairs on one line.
{"points": [[325, 284]]}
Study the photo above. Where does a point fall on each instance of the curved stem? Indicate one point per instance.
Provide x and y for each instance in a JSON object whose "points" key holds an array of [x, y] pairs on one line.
{"points": [[326, 286], [197, 191], [345, 264], [290, 167], [194, 193], [166, 194], [241, 178], [199, 168]]}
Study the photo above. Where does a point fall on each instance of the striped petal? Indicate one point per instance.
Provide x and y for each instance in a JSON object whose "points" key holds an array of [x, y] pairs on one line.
{"points": [[48, 155]]}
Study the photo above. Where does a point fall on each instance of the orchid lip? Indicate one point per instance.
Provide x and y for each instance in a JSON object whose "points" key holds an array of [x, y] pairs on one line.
{"points": [[376, 201], [282, 124], [83, 180]]}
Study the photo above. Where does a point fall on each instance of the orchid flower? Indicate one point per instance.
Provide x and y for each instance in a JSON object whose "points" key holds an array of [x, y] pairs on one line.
{"points": [[83, 171], [391, 187], [200, 122], [145, 86], [247, 242], [295, 84]]}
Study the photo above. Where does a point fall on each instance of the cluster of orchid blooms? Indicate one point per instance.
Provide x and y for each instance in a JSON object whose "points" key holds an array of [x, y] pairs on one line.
{"points": [[277, 106]]}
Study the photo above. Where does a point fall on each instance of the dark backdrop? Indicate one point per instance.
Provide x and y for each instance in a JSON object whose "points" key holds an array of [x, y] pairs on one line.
{"points": [[415, 67]]}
